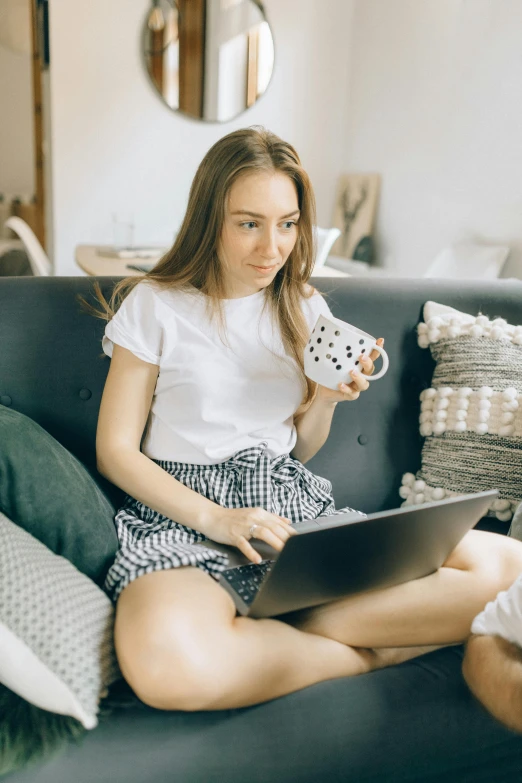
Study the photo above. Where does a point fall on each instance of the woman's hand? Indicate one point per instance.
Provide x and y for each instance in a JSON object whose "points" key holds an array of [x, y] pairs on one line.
{"points": [[352, 391], [236, 526]]}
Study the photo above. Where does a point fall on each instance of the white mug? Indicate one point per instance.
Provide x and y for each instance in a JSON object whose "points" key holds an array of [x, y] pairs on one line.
{"points": [[333, 350]]}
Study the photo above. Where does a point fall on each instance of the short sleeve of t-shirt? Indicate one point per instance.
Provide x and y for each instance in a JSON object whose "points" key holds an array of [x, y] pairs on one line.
{"points": [[503, 616], [314, 307], [136, 325]]}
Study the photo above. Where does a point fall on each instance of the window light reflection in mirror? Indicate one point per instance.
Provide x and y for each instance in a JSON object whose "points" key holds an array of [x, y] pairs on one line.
{"points": [[209, 59]]}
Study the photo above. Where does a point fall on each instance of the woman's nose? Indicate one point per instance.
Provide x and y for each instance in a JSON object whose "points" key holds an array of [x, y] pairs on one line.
{"points": [[268, 244]]}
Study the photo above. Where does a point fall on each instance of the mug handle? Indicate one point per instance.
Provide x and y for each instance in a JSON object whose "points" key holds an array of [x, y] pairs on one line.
{"points": [[385, 364]]}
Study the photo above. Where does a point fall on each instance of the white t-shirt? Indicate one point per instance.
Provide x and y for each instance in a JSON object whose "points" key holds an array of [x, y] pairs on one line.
{"points": [[211, 399], [503, 616]]}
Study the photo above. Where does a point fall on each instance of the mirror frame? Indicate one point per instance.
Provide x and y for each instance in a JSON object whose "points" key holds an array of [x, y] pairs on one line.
{"points": [[143, 58]]}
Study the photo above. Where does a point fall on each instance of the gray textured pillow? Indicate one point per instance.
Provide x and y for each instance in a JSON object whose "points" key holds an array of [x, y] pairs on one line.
{"points": [[56, 629], [471, 417]]}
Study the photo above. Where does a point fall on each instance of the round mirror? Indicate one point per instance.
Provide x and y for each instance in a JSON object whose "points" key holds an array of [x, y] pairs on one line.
{"points": [[210, 59]]}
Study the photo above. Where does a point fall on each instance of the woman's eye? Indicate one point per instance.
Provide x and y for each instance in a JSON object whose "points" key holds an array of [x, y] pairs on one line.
{"points": [[249, 224], [289, 223]]}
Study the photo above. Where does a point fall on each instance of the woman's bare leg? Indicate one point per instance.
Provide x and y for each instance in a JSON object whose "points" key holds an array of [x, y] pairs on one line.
{"points": [[181, 646], [435, 610]]}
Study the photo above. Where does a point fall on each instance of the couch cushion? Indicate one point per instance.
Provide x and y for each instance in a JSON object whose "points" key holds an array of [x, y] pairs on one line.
{"points": [[49, 493], [471, 416], [52, 369], [412, 723]]}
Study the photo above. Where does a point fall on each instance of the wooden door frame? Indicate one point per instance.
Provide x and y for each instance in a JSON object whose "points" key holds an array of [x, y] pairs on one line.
{"points": [[38, 130], [191, 21]]}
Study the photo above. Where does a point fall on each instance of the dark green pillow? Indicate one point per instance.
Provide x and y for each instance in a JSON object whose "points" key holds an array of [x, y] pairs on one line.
{"points": [[48, 492]]}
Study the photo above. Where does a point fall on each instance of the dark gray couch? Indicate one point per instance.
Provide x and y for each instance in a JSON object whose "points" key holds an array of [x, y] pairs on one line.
{"points": [[414, 722]]}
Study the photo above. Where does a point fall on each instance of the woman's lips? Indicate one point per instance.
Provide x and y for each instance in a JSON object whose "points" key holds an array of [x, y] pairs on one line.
{"points": [[264, 270]]}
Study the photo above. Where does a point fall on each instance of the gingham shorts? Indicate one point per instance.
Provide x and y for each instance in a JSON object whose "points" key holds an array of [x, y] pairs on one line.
{"points": [[150, 541]]}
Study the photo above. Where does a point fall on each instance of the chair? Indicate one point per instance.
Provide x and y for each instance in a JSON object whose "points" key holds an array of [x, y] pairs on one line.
{"points": [[40, 264], [325, 238]]}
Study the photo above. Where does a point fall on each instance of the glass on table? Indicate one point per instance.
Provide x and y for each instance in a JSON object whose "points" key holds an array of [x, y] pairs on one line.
{"points": [[123, 229]]}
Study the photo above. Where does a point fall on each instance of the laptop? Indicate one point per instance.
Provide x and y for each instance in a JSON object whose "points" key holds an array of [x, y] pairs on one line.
{"points": [[331, 557]]}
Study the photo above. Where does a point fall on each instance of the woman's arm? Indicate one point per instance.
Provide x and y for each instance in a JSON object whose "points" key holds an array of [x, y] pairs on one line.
{"points": [[493, 670], [313, 428], [124, 410], [313, 425]]}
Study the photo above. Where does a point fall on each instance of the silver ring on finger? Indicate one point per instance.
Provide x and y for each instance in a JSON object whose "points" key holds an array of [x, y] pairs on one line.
{"points": [[252, 530]]}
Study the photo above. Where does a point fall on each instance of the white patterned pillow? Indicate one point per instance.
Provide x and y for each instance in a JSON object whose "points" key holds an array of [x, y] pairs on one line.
{"points": [[471, 416], [56, 629]]}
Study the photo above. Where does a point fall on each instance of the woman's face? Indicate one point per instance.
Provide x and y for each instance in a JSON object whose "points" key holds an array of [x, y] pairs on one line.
{"points": [[259, 231]]}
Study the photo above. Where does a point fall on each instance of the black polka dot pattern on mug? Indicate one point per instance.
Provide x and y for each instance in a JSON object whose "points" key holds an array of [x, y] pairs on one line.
{"points": [[334, 350]]}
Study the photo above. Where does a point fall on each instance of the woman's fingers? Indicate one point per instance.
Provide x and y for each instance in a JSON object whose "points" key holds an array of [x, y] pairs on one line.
{"points": [[350, 391], [275, 537], [248, 550], [274, 530], [375, 354], [366, 364], [275, 533], [359, 381]]}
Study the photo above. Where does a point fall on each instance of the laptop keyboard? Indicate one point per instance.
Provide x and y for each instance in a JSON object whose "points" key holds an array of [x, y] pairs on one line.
{"points": [[246, 580]]}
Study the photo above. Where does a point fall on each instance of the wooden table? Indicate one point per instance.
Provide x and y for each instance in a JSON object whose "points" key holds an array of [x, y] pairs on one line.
{"points": [[90, 259]]}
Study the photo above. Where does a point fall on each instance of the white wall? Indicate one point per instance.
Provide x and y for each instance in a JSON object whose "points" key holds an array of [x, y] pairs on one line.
{"points": [[116, 147], [436, 107], [16, 124]]}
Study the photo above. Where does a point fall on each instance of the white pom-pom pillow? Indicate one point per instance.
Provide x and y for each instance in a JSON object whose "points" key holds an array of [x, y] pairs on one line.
{"points": [[471, 416]]}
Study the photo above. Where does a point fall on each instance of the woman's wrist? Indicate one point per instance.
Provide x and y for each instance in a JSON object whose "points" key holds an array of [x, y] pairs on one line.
{"points": [[205, 518], [322, 399]]}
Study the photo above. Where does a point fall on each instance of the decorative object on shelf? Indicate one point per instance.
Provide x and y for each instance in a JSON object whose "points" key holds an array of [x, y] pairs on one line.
{"points": [[364, 250], [354, 214], [471, 416], [209, 60]]}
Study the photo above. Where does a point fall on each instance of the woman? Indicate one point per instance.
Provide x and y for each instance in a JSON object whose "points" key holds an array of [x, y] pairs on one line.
{"points": [[207, 361]]}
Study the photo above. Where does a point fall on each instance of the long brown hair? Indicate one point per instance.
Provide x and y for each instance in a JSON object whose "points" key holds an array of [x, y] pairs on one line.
{"points": [[193, 259]]}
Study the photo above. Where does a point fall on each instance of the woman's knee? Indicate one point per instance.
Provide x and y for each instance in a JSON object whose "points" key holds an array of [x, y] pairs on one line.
{"points": [[510, 560], [496, 560], [169, 634]]}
